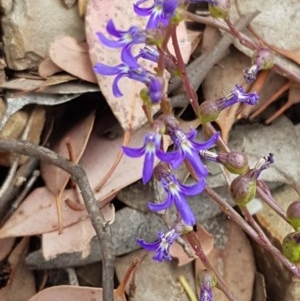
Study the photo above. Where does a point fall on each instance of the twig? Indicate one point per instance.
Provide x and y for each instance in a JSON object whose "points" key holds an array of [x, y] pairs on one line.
{"points": [[79, 175], [200, 67]]}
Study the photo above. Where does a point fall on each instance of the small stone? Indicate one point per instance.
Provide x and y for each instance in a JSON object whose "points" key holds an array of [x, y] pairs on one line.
{"points": [[29, 27]]}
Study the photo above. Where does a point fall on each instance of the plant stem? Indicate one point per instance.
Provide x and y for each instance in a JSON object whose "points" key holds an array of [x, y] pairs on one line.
{"points": [[191, 93], [232, 214], [196, 245]]}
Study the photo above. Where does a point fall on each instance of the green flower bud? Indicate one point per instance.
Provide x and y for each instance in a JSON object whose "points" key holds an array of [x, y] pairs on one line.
{"points": [[293, 214], [235, 162], [243, 188], [291, 247], [209, 111], [220, 9]]}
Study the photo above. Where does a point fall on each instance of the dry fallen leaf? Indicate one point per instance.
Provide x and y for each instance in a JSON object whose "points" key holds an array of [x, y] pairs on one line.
{"points": [[6, 245], [21, 285], [38, 214], [55, 178], [76, 238], [233, 259], [69, 293], [48, 68], [73, 57]]}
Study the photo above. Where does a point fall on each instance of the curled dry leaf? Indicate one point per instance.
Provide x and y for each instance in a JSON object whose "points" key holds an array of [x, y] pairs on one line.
{"points": [[73, 57], [207, 243], [55, 178]]}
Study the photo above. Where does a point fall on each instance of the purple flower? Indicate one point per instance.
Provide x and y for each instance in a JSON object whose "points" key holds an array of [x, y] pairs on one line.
{"points": [[188, 148], [176, 193], [134, 35], [129, 68], [161, 246], [155, 89], [207, 282], [206, 294], [150, 149], [160, 11], [238, 94]]}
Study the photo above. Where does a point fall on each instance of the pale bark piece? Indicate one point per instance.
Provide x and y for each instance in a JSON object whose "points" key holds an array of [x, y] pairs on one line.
{"points": [[30, 26], [73, 57]]}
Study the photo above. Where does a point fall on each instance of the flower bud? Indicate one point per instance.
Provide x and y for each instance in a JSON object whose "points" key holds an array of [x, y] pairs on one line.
{"points": [[220, 9], [293, 214], [209, 111], [264, 59], [291, 247], [243, 188], [235, 162]]}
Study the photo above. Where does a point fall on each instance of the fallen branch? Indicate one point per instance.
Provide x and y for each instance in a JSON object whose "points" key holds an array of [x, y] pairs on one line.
{"points": [[80, 177]]}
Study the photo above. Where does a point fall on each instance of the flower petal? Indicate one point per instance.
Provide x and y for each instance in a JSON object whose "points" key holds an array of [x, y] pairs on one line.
{"points": [[149, 246], [133, 152], [111, 29], [106, 69], [116, 91], [148, 167], [195, 189], [165, 205], [185, 210], [109, 43]]}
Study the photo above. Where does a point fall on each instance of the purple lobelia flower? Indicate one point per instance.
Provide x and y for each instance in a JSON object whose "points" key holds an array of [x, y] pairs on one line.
{"points": [[161, 246], [150, 149], [128, 68], [209, 110], [188, 148], [160, 11], [176, 193], [134, 35]]}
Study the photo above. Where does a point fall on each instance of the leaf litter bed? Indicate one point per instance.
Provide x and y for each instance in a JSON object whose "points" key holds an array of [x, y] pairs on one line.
{"points": [[48, 245]]}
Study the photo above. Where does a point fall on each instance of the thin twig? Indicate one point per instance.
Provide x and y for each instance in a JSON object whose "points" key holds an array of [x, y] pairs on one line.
{"points": [[79, 175]]}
